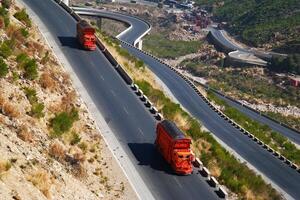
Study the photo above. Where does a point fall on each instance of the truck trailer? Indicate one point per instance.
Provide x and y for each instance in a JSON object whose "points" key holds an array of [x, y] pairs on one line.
{"points": [[86, 35], [174, 147]]}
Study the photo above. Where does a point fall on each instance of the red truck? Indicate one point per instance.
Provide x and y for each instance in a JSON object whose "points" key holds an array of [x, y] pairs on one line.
{"points": [[174, 147], [86, 35]]}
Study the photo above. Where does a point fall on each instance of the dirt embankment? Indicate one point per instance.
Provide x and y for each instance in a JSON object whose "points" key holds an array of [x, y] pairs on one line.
{"points": [[49, 145]]}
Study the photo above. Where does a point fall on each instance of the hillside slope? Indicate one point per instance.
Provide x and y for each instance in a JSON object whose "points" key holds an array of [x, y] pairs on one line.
{"points": [[50, 147], [276, 22]]}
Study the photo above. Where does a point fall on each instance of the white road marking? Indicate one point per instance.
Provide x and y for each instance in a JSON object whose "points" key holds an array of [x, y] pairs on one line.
{"points": [[125, 110], [141, 131], [177, 182], [113, 93]]}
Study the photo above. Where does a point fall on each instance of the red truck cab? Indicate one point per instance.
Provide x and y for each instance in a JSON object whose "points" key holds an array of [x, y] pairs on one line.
{"points": [[86, 35], [174, 147]]}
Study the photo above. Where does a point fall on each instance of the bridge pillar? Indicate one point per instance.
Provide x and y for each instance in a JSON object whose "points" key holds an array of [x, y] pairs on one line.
{"points": [[140, 44], [66, 2]]}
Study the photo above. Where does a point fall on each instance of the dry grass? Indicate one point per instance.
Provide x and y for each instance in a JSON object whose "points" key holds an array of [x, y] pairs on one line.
{"points": [[47, 81], [67, 101], [79, 171], [10, 110], [203, 145], [7, 108], [5, 165], [181, 121], [41, 180], [25, 134], [57, 150], [66, 80], [214, 169]]}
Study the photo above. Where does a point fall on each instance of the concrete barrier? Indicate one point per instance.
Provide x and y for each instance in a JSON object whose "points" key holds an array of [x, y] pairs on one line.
{"points": [[139, 92], [198, 163], [277, 154], [148, 104], [143, 98], [124, 75], [288, 162], [281, 157], [153, 110], [294, 166], [271, 150], [135, 87], [110, 58], [205, 173], [222, 193], [213, 182], [158, 116]]}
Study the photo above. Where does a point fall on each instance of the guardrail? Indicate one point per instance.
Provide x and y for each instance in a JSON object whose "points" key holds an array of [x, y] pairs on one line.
{"points": [[219, 112], [220, 190]]}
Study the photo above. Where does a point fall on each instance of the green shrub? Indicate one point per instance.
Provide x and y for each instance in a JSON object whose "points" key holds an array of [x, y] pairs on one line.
{"points": [[21, 58], [5, 16], [6, 3], [23, 17], [63, 122], [15, 76], [30, 68], [160, 46], [37, 110], [3, 68], [24, 32], [6, 48], [75, 138], [31, 95]]}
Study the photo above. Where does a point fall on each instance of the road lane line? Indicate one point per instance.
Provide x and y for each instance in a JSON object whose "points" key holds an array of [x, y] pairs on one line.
{"points": [[113, 93], [141, 132], [177, 182], [126, 111]]}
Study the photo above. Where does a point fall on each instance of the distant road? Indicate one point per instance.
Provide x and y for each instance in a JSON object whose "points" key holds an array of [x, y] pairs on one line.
{"points": [[241, 54], [287, 179]]}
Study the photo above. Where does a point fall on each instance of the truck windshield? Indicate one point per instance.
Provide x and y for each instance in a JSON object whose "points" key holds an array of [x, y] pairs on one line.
{"points": [[89, 37], [183, 155]]}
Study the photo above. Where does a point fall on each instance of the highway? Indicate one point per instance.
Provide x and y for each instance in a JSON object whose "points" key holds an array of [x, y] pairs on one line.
{"points": [[272, 168], [138, 28], [124, 113]]}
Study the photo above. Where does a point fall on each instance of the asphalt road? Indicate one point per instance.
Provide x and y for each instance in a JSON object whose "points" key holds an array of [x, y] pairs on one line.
{"points": [[139, 27], [279, 173], [132, 124], [131, 35]]}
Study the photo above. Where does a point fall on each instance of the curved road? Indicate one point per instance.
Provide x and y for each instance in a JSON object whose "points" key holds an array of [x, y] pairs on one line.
{"points": [[132, 124], [138, 28], [242, 54], [272, 168]]}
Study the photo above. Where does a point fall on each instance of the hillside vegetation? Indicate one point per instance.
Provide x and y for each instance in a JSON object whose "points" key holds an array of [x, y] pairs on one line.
{"points": [[265, 21], [50, 146]]}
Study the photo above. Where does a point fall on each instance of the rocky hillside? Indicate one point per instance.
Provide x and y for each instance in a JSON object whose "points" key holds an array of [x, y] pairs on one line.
{"points": [[50, 147], [275, 22]]}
